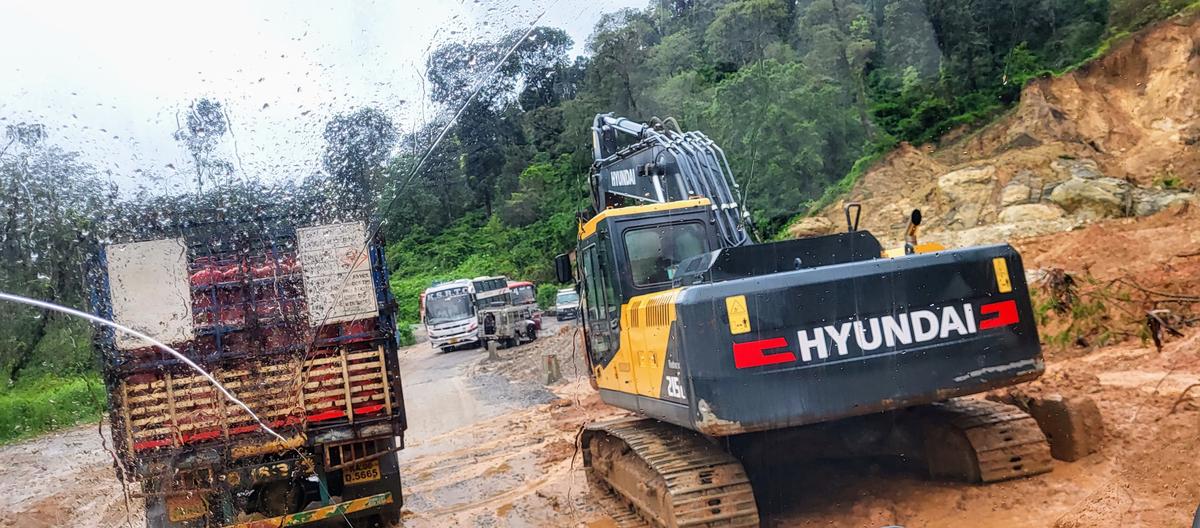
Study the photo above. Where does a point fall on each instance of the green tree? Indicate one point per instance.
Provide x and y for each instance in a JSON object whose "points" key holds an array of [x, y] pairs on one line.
{"points": [[539, 64], [838, 39], [743, 30], [53, 209], [907, 40], [203, 127], [357, 147], [616, 73], [781, 171]]}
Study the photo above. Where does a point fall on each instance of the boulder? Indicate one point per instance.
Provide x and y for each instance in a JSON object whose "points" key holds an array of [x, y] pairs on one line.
{"points": [[1093, 197], [1016, 192], [1022, 140], [1077, 168], [999, 233], [1149, 201], [1031, 212], [968, 193], [1073, 426], [811, 227]]}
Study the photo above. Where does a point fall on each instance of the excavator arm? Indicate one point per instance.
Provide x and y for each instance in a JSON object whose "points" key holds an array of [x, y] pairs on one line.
{"points": [[660, 163]]}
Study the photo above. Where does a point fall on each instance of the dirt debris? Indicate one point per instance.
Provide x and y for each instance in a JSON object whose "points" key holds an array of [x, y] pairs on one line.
{"points": [[556, 451], [1116, 137], [525, 363], [519, 466]]}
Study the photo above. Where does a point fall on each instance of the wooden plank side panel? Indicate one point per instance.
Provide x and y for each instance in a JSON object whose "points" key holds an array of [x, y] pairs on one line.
{"points": [[183, 408], [178, 408]]}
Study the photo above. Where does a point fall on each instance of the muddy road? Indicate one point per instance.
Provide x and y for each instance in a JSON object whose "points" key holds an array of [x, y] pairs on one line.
{"points": [[490, 444], [479, 444]]}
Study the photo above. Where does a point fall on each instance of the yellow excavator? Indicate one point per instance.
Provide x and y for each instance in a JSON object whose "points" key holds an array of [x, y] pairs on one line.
{"points": [[730, 351]]}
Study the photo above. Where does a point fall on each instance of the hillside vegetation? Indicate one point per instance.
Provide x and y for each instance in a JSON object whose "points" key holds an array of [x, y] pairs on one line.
{"points": [[803, 95]]}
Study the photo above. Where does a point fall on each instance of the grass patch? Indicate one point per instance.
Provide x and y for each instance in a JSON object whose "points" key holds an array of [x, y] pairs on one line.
{"points": [[49, 403]]}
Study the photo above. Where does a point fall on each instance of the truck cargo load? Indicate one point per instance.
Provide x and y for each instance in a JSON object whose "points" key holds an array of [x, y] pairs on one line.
{"points": [[298, 323]]}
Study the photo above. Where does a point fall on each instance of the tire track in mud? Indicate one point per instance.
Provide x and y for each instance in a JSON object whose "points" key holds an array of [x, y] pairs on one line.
{"points": [[511, 463]]}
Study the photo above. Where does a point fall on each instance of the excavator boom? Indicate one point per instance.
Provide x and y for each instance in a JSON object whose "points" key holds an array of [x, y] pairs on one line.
{"points": [[663, 165]]}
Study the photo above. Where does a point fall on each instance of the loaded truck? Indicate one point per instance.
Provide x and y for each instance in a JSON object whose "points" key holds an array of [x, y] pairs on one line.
{"points": [[296, 322]]}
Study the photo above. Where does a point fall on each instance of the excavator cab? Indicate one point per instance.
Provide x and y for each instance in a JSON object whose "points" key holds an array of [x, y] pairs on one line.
{"points": [[627, 252]]}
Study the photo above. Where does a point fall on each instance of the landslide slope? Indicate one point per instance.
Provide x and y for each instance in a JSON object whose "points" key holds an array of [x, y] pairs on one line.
{"points": [[1117, 137], [1094, 173]]}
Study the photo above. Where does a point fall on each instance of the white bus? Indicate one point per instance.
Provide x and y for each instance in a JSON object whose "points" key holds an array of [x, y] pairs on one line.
{"points": [[449, 314], [491, 292]]}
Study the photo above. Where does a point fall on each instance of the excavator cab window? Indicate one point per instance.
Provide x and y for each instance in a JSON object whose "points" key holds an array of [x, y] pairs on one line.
{"points": [[597, 313], [603, 303], [655, 251], [590, 292]]}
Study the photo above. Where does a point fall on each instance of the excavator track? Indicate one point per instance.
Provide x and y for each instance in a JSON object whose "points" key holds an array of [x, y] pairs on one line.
{"points": [[666, 476], [984, 441], [624, 515]]}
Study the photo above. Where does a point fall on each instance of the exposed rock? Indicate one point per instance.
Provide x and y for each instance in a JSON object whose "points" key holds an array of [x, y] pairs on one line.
{"points": [[1022, 189], [1093, 197], [1022, 140], [1129, 116], [904, 179], [1031, 212], [1077, 168], [810, 227], [970, 192], [1149, 201], [1000, 233]]}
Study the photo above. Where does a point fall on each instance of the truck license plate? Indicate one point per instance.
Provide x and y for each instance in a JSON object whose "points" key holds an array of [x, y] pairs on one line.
{"points": [[360, 473]]}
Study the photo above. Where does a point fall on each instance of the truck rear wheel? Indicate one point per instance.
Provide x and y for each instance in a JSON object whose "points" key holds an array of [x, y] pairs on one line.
{"points": [[278, 498]]}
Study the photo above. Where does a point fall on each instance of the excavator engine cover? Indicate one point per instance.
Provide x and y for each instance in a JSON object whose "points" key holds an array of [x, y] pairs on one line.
{"points": [[751, 351]]}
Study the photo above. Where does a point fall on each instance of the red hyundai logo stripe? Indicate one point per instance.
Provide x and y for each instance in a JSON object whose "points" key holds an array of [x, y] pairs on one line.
{"points": [[1006, 314], [750, 354]]}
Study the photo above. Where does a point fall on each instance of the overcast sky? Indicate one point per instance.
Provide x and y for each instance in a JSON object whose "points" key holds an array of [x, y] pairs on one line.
{"points": [[109, 78]]}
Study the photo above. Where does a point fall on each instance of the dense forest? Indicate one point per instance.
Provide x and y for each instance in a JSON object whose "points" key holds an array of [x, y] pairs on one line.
{"points": [[803, 95]]}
